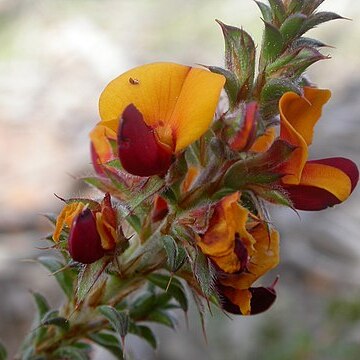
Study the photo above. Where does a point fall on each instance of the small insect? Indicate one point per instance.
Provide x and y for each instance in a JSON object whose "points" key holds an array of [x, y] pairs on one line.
{"points": [[133, 81]]}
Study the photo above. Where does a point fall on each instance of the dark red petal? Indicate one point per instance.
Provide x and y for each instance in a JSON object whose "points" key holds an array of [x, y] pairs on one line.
{"points": [[242, 253], [139, 151], [310, 198], [84, 242], [345, 165], [261, 299]]}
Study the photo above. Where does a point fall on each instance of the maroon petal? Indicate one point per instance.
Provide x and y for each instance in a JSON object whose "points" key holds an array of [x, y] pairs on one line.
{"points": [[139, 151], [310, 198], [261, 299], [84, 242]]}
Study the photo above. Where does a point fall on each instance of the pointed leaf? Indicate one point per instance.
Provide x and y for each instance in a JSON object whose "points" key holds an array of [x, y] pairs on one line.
{"points": [[144, 332], [171, 249], [278, 9], [89, 275], [41, 304], [265, 11], [231, 85], [119, 320], [64, 277], [295, 6], [272, 44], [276, 88], [307, 42], [292, 26], [310, 6], [175, 289], [161, 317], [108, 341], [317, 19]]}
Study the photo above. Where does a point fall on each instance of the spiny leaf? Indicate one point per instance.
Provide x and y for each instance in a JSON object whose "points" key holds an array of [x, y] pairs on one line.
{"points": [[275, 88], [70, 353], [317, 19], [3, 352], [295, 6], [231, 86], [278, 9], [176, 254], [89, 275], [175, 289], [310, 6], [265, 11], [145, 333], [64, 277], [307, 42], [272, 44], [119, 320], [109, 341], [292, 26], [204, 274]]}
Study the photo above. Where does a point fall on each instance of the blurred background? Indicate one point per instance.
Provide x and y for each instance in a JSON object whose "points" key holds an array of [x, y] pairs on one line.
{"points": [[56, 56]]}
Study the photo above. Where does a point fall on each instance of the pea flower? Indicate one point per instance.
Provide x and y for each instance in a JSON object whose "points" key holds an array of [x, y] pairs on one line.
{"points": [[151, 113], [242, 248], [315, 184], [93, 229]]}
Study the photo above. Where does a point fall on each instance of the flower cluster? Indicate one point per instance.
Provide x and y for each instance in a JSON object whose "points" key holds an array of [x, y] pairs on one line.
{"points": [[188, 169]]}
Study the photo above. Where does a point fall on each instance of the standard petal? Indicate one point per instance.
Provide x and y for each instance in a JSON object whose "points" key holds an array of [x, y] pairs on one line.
{"points": [[324, 183], [176, 100], [298, 118]]}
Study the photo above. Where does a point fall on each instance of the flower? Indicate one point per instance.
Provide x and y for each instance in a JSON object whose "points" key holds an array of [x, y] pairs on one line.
{"points": [[93, 229], [153, 112], [316, 184], [242, 248]]}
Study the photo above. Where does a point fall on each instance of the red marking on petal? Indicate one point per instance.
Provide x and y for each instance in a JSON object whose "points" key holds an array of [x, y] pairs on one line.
{"points": [[310, 198], [242, 253], [343, 164], [139, 151], [245, 137], [84, 242]]}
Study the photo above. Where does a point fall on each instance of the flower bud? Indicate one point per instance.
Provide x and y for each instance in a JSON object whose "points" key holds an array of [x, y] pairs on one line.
{"points": [[84, 240]]}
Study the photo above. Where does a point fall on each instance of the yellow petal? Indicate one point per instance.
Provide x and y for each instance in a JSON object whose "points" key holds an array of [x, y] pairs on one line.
{"points": [[66, 217], [263, 142], [176, 100], [298, 118]]}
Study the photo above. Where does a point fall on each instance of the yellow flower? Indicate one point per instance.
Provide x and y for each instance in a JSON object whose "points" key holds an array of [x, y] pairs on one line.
{"points": [[154, 111]]}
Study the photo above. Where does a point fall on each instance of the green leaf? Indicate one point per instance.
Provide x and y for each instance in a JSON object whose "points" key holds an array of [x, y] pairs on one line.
{"points": [[64, 276], [70, 353], [278, 9], [276, 88], [307, 42], [310, 6], [274, 196], [144, 332], [142, 306], [265, 11], [317, 19], [259, 169], [231, 85], [108, 341], [176, 255], [175, 289], [204, 274], [162, 317], [52, 318], [272, 44], [295, 6], [292, 26], [51, 217], [119, 320], [239, 57], [3, 352], [89, 275], [41, 304]]}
